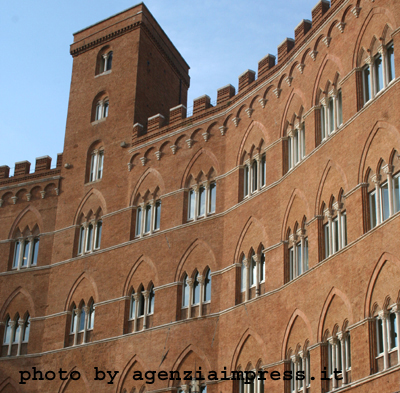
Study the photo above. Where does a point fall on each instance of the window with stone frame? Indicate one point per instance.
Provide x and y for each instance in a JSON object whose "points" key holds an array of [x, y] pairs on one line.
{"points": [[299, 362], [331, 111], [378, 70], [26, 248], [297, 254], [383, 194], [16, 335], [148, 218], [296, 143], [386, 329], [252, 274], [104, 61], [202, 199], [254, 174], [82, 322], [141, 308], [89, 237], [100, 107], [334, 228], [96, 164], [337, 358], [196, 294]]}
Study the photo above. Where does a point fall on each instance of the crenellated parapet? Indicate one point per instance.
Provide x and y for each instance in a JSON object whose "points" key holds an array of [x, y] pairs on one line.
{"points": [[269, 68], [22, 173]]}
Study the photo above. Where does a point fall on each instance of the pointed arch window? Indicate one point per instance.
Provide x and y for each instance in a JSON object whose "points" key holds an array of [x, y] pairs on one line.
{"points": [[132, 308], [185, 292], [89, 239], [335, 229], [296, 145], [101, 110], [196, 290], [207, 286], [202, 200], [298, 254], [331, 113], [254, 175], [148, 218], [26, 251], [96, 164], [151, 300], [16, 333], [378, 72]]}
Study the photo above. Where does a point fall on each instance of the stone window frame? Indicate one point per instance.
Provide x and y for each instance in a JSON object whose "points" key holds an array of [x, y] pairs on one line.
{"points": [[334, 229], [297, 241], [296, 143], [386, 329], [76, 318], [189, 284], [194, 211], [254, 174], [96, 167], [32, 242], [15, 332], [337, 355], [254, 263], [300, 361], [84, 248], [153, 209], [331, 112], [141, 300], [381, 205], [369, 71], [106, 62]]}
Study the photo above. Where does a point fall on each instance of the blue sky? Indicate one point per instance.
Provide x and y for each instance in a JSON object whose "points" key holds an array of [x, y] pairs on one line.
{"points": [[219, 39]]}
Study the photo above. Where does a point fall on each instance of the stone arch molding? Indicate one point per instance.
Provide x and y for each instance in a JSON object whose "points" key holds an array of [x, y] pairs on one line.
{"points": [[333, 292], [212, 264], [296, 314], [77, 283], [212, 163], [86, 199], [64, 387], [331, 165], [184, 354], [254, 125], [12, 296], [146, 175], [252, 221], [245, 336], [10, 382], [297, 193], [368, 143], [385, 258], [20, 217], [134, 359], [134, 268]]}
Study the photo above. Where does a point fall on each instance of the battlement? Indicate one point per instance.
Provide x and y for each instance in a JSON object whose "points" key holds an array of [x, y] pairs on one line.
{"points": [[226, 95], [22, 169]]}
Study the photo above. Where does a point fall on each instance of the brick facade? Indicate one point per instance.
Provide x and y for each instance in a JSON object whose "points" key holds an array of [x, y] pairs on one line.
{"points": [[279, 174]]}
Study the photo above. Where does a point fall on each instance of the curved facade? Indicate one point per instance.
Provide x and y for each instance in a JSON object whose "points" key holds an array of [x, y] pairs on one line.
{"points": [[256, 236]]}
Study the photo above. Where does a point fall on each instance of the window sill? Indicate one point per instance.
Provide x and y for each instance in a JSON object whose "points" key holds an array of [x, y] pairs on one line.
{"points": [[99, 121], [92, 182], [103, 73]]}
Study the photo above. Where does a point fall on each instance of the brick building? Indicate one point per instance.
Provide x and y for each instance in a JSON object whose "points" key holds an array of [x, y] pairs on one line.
{"points": [[259, 234]]}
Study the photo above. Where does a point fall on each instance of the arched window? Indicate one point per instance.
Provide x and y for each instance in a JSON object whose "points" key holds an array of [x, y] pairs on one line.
{"points": [[90, 236], [331, 113], [141, 305], [298, 254], [151, 300], [96, 164], [207, 286], [253, 270], [26, 253], [148, 218], [27, 329], [74, 320], [254, 174], [185, 292], [335, 229], [132, 308], [17, 330], [196, 290], [101, 110], [296, 144], [82, 318], [106, 63], [262, 266], [243, 275], [202, 200], [378, 72], [90, 323], [7, 331]]}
